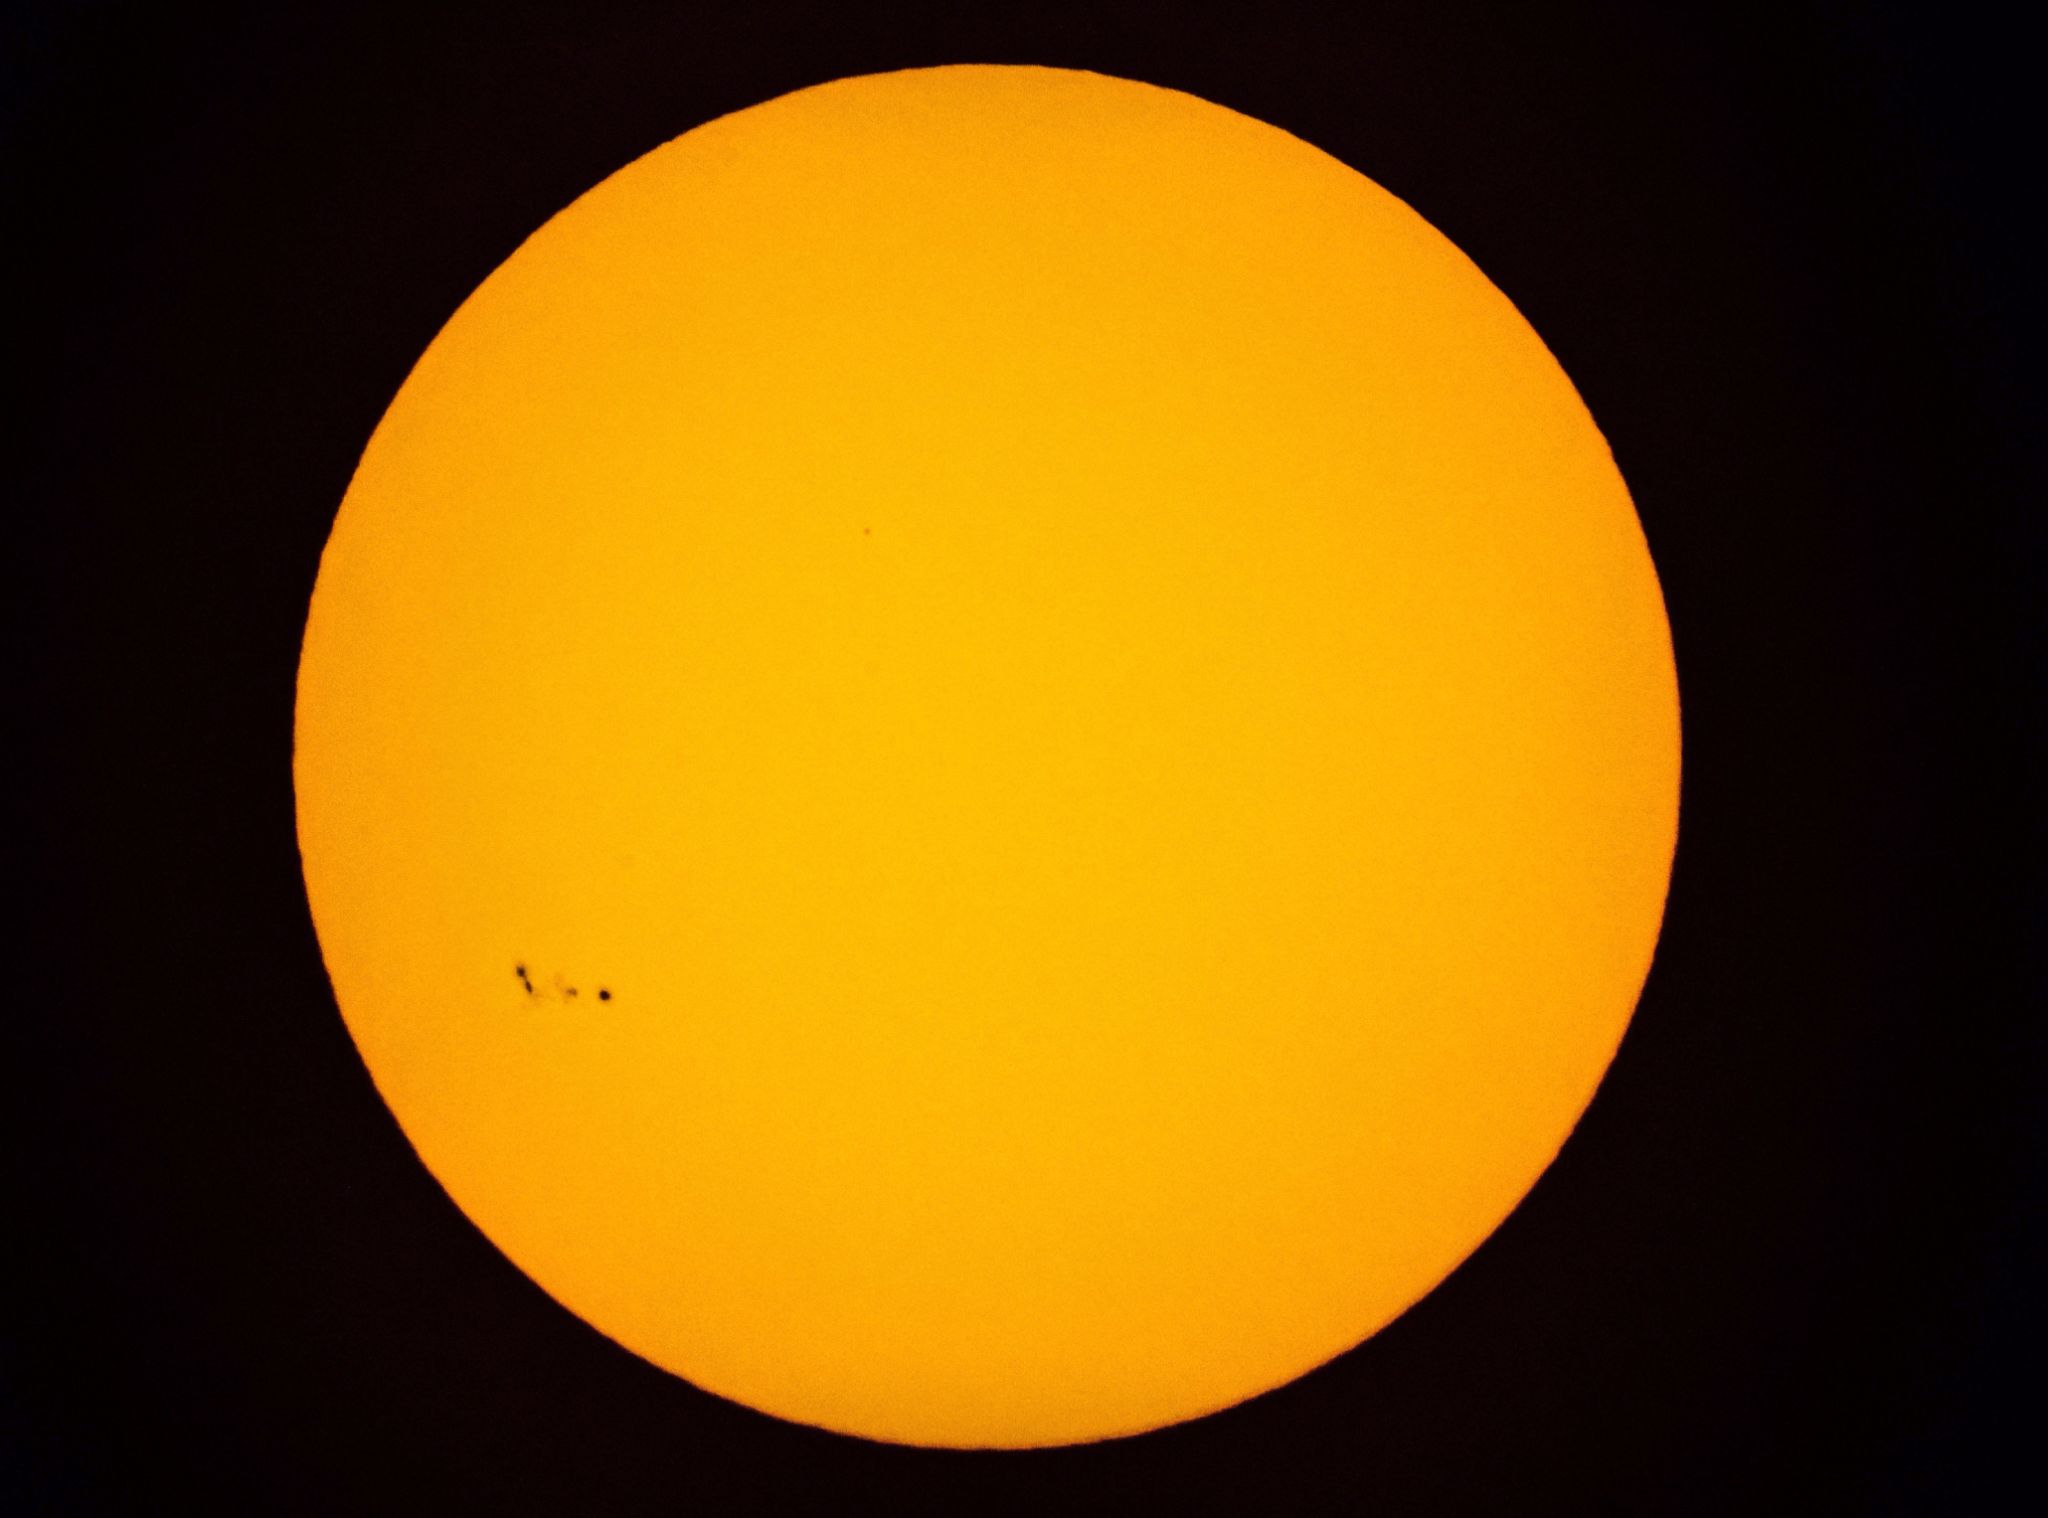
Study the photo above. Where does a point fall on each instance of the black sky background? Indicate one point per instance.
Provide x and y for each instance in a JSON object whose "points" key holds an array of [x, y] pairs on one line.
{"points": [[1784, 1262]]}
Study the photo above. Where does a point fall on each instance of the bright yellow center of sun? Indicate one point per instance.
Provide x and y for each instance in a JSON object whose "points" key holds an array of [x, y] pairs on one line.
{"points": [[987, 756]]}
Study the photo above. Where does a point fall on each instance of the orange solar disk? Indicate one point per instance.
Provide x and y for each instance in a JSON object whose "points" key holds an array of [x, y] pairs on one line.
{"points": [[987, 756]]}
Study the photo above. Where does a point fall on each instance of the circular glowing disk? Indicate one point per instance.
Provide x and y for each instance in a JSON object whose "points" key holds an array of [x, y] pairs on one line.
{"points": [[987, 756]]}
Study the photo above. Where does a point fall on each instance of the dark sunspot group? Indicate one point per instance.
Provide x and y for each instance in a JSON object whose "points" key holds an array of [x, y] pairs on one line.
{"points": [[561, 989]]}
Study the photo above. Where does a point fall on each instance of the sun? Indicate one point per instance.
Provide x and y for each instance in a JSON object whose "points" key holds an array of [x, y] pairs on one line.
{"points": [[987, 756]]}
